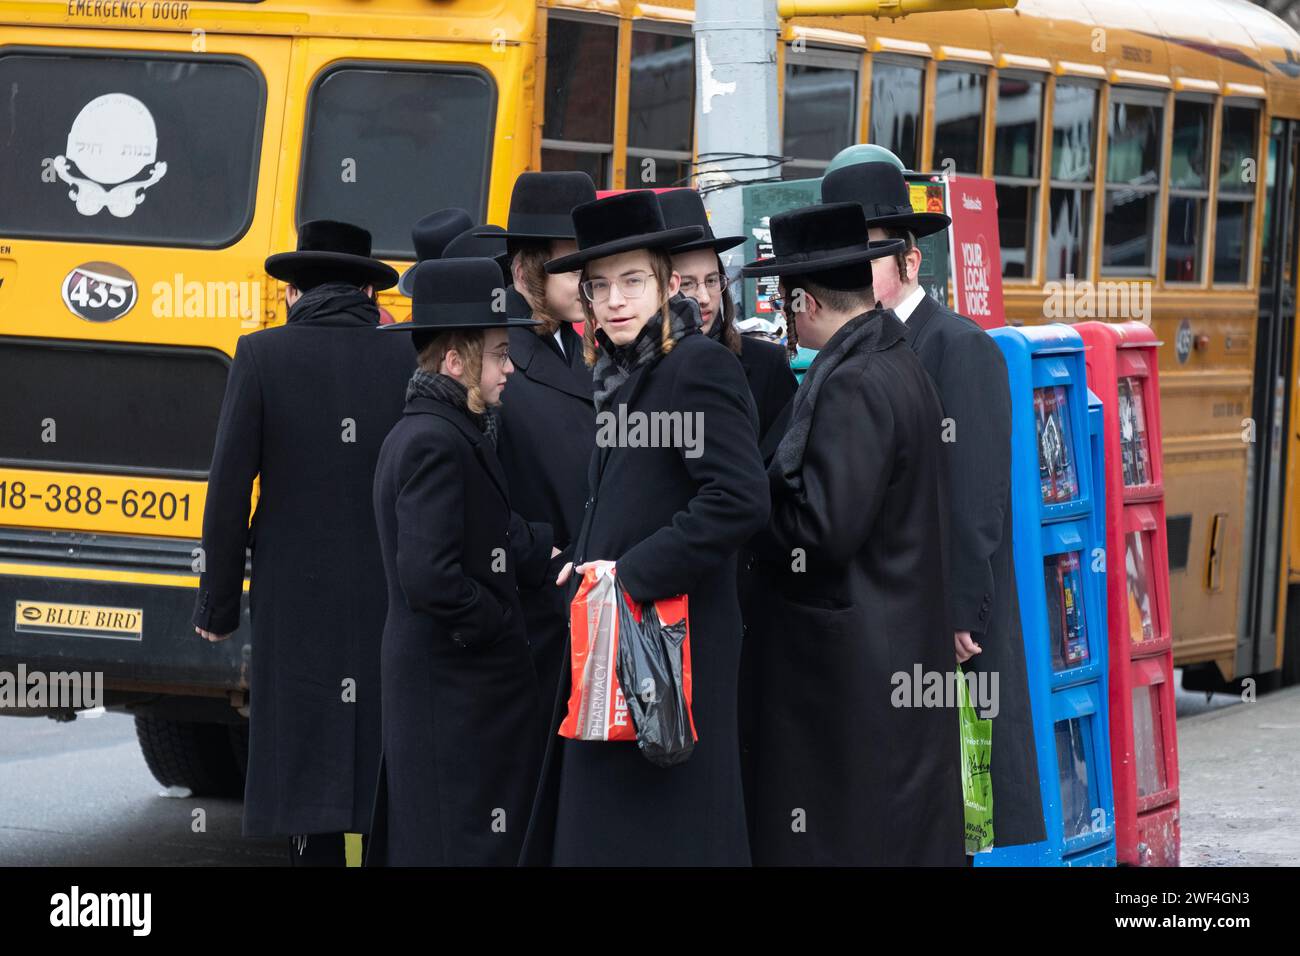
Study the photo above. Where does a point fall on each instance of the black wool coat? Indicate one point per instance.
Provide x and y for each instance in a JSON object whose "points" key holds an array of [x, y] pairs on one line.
{"points": [[463, 723], [674, 525], [771, 380], [852, 593], [968, 369], [546, 435], [307, 406]]}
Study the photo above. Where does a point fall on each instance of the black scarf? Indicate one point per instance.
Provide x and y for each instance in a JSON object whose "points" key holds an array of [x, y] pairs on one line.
{"points": [[876, 329], [616, 363], [444, 388], [334, 299]]}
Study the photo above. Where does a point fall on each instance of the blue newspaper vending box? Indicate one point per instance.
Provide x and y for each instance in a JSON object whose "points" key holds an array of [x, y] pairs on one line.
{"points": [[1059, 544]]}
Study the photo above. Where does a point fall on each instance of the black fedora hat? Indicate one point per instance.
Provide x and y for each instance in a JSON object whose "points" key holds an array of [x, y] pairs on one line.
{"points": [[620, 223], [468, 245], [330, 251], [484, 242], [881, 191], [450, 294], [684, 207], [430, 235], [820, 238], [541, 204]]}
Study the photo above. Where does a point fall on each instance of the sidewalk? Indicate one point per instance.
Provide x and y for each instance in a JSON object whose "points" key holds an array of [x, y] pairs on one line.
{"points": [[1240, 783]]}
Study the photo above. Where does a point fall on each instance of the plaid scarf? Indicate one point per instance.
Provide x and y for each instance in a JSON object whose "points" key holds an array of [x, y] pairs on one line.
{"points": [[616, 363], [445, 389]]}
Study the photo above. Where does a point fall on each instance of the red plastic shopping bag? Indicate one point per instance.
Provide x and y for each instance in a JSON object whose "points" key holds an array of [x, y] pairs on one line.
{"points": [[617, 643]]}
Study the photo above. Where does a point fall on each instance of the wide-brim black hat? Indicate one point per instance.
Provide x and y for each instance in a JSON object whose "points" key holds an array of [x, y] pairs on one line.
{"points": [[432, 233], [330, 251], [620, 223], [684, 207], [881, 191], [820, 238], [460, 294], [541, 205], [473, 243]]}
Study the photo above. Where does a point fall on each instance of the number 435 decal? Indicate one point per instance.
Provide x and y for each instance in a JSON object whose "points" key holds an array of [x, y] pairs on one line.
{"points": [[99, 291]]}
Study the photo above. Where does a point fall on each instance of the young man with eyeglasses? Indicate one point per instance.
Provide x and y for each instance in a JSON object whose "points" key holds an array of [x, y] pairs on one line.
{"points": [[703, 278], [673, 516]]}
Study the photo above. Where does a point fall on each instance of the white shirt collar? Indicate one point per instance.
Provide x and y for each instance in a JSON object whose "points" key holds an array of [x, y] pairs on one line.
{"points": [[559, 340], [905, 308]]}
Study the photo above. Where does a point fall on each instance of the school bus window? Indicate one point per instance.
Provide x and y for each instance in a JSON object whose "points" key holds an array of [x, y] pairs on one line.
{"points": [[897, 86], [959, 119], [429, 147], [129, 148], [1074, 138], [1189, 190], [1016, 154], [121, 408], [578, 129], [1136, 129], [1234, 216], [820, 113], [1270, 250], [661, 107]]}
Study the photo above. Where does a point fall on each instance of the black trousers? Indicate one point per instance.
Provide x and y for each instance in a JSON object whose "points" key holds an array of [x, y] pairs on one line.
{"points": [[320, 849]]}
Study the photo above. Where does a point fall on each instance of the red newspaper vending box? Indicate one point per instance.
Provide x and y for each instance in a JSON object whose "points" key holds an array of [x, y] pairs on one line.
{"points": [[1122, 372]]}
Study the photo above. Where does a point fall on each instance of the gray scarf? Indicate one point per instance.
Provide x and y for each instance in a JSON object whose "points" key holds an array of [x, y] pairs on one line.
{"points": [[445, 389], [616, 363]]}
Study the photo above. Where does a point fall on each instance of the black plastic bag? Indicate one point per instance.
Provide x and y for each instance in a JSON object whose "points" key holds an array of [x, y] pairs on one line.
{"points": [[653, 658]]}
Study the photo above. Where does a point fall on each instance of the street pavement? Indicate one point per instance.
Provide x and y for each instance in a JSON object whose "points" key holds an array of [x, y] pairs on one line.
{"points": [[80, 794]]}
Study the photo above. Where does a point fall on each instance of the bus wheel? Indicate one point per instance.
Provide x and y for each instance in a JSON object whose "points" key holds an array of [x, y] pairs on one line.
{"points": [[184, 753]]}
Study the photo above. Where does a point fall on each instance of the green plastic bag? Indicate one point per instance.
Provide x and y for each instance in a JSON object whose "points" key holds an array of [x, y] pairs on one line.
{"points": [[976, 783]]}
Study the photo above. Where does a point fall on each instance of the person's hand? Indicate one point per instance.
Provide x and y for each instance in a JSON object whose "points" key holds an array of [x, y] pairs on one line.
{"points": [[568, 569], [966, 646], [210, 636]]}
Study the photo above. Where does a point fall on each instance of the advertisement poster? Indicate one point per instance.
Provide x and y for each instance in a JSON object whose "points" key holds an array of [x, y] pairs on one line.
{"points": [[976, 255]]}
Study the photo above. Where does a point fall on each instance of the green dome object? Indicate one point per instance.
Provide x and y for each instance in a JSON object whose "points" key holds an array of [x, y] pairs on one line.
{"points": [[864, 153]]}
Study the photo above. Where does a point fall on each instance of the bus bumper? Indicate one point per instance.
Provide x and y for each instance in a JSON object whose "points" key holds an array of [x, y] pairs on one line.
{"points": [[138, 635]]}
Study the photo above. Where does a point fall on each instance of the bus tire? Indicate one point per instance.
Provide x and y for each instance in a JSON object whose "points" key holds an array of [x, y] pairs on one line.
{"points": [[184, 753]]}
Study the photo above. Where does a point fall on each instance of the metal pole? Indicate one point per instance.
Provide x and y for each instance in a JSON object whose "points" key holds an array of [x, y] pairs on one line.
{"points": [[736, 109]]}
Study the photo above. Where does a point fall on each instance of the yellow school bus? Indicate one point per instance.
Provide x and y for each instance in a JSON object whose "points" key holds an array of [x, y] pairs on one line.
{"points": [[157, 152], [1148, 150]]}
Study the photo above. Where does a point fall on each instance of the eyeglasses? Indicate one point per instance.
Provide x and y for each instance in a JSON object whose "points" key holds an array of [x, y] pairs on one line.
{"points": [[629, 286], [502, 356], [714, 282]]}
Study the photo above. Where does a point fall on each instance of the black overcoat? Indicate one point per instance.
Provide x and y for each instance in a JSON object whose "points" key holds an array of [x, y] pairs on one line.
{"points": [[771, 380], [674, 525], [463, 725], [971, 375], [547, 433], [307, 407], [853, 593]]}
